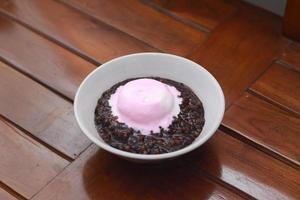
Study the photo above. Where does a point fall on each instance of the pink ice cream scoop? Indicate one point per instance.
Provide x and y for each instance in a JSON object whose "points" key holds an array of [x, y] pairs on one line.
{"points": [[146, 104]]}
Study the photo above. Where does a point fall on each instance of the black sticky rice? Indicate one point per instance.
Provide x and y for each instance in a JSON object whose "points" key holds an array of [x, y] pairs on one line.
{"points": [[184, 129]]}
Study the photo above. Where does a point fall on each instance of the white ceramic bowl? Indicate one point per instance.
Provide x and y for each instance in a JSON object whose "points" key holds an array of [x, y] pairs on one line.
{"points": [[162, 65]]}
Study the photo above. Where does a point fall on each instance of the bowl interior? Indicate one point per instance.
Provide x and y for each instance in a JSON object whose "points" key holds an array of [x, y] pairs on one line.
{"points": [[149, 64]]}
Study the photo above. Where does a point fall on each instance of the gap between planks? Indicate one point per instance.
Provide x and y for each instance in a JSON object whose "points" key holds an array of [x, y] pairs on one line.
{"points": [[41, 189], [287, 65], [274, 103], [48, 37], [200, 27], [61, 95], [100, 21], [11, 191], [235, 134], [269, 100], [52, 149]]}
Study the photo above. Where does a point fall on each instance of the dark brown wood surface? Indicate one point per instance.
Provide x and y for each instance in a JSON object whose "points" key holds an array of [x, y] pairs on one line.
{"points": [[241, 49], [246, 168], [42, 59], [144, 23], [291, 56], [97, 174], [41, 112], [281, 85], [35, 166], [266, 125], [68, 27], [48, 47], [204, 13]]}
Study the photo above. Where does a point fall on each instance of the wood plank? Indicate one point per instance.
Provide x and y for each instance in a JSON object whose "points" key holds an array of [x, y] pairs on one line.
{"points": [[144, 23], [241, 49], [93, 39], [280, 85], [266, 125], [5, 195], [42, 59], [207, 13], [100, 175], [41, 112], [247, 168], [25, 165], [291, 26], [291, 55]]}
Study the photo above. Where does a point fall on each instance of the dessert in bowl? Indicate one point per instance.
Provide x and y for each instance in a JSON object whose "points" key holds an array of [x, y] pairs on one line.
{"points": [[149, 115], [149, 106]]}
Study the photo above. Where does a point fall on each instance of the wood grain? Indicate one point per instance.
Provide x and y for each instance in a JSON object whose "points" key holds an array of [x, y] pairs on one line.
{"points": [[266, 125], [5, 195], [25, 165], [92, 39], [99, 175], [241, 49], [247, 168], [207, 13], [291, 26], [144, 23], [280, 85], [291, 56], [41, 112], [42, 59]]}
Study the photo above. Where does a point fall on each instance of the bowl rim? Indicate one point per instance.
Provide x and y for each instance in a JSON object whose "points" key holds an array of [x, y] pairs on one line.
{"points": [[126, 154]]}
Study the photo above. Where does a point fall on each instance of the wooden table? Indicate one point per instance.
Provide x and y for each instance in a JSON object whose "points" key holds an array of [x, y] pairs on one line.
{"points": [[47, 47]]}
